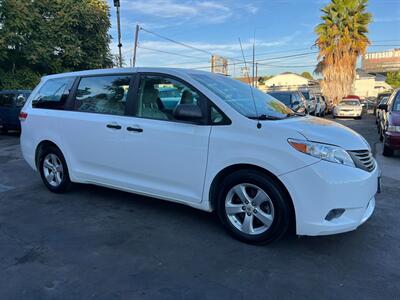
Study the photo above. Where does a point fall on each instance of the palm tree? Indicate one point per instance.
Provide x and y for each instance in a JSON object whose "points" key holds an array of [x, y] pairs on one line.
{"points": [[341, 40]]}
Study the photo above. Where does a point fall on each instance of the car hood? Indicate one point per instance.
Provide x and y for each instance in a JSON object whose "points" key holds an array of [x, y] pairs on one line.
{"points": [[328, 132]]}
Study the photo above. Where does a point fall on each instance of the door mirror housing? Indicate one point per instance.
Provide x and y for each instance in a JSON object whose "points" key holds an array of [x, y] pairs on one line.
{"points": [[188, 112]]}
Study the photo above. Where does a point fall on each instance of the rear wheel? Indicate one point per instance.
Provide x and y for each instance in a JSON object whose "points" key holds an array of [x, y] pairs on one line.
{"points": [[53, 170], [252, 207]]}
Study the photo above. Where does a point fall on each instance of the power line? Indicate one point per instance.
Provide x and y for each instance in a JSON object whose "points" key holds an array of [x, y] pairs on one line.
{"points": [[181, 43], [167, 52], [241, 62]]}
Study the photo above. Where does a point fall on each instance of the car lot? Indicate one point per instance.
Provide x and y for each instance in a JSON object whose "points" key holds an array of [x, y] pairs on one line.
{"points": [[104, 244]]}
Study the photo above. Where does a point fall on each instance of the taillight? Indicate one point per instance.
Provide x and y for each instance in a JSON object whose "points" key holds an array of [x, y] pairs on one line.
{"points": [[22, 116]]}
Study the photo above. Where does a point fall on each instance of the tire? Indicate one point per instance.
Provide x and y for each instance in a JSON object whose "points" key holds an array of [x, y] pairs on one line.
{"points": [[387, 151], [275, 210], [58, 168]]}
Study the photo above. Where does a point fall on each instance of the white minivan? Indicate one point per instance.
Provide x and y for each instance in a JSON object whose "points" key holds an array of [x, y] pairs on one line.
{"points": [[216, 144]]}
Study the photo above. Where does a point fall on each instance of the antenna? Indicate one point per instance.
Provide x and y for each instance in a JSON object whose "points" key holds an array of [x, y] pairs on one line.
{"points": [[251, 88]]}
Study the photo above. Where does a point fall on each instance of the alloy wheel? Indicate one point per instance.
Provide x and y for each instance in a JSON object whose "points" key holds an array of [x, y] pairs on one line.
{"points": [[53, 170], [249, 208]]}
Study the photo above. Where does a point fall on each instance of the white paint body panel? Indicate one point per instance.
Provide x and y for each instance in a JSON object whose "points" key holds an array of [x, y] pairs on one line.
{"points": [[178, 161]]}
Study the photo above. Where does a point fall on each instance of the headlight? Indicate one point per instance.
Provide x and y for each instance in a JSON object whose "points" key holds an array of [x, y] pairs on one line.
{"points": [[393, 128], [323, 151]]}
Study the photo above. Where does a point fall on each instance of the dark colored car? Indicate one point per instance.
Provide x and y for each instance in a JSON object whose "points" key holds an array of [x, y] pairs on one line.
{"points": [[11, 102], [379, 112], [293, 99], [379, 99], [390, 122]]}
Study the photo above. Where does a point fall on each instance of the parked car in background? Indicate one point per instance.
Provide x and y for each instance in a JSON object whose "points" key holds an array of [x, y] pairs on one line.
{"points": [[232, 148], [390, 124], [11, 102], [369, 104], [329, 105], [379, 99], [293, 99], [348, 107], [380, 111], [320, 107], [311, 101]]}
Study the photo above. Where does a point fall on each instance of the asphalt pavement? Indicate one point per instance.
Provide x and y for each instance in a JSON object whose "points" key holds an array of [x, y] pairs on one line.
{"points": [[96, 243]]}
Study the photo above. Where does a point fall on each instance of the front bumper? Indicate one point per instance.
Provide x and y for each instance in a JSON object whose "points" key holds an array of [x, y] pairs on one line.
{"points": [[325, 186], [392, 140]]}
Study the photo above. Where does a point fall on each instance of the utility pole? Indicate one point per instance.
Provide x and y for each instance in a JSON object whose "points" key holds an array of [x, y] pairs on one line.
{"points": [[117, 5], [135, 46]]}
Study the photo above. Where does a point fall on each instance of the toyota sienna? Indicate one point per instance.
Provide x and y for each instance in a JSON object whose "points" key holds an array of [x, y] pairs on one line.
{"points": [[220, 145]]}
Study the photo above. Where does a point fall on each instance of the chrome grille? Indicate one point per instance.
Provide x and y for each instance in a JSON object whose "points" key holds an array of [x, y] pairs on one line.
{"points": [[363, 159]]}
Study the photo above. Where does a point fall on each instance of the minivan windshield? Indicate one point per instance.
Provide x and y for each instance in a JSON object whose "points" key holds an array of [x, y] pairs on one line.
{"points": [[285, 98], [239, 96]]}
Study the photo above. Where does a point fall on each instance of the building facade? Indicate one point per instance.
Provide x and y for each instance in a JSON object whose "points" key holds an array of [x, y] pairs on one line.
{"points": [[368, 85], [291, 81]]}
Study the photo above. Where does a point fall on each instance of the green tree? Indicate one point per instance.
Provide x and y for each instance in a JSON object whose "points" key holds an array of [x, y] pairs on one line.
{"points": [[342, 38], [393, 78], [307, 75], [41, 37]]}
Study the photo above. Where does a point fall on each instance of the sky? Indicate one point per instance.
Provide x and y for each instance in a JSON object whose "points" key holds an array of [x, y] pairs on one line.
{"points": [[280, 28]]}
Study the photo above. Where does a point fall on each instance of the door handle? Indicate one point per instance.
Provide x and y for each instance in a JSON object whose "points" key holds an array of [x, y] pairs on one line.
{"points": [[114, 126], [136, 129]]}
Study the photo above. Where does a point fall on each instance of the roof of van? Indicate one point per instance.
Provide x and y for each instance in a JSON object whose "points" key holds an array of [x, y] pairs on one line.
{"points": [[127, 70]]}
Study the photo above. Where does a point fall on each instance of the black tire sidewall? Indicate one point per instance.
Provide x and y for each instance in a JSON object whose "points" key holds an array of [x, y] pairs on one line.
{"points": [[65, 183], [282, 212]]}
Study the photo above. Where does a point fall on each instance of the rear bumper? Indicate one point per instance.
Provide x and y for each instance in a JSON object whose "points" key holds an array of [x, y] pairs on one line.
{"points": [[347, 114], [320, 188], [392, 140], [8, 125]]}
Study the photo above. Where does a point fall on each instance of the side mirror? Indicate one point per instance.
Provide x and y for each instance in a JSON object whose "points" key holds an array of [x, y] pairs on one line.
{"points": [[188, 112], [383, 106]]}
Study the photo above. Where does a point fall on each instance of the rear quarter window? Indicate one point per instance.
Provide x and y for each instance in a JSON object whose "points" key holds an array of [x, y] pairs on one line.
{"points": [[53, 93]]}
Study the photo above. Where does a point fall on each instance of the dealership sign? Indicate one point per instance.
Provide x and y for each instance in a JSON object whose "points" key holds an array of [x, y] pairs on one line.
{"points": [[381, 62]]}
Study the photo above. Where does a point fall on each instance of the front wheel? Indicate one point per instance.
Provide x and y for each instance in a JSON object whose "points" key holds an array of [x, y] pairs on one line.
{"points": [[252, 207], [387, 151], [53, 170]]}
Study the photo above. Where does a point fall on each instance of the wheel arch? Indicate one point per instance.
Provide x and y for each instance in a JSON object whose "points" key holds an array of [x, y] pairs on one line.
{"points": [[42, 145], [236, 167]]}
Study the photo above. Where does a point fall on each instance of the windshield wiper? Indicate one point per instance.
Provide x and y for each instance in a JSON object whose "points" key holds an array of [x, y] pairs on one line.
{"points": [[297, 114], [264, 117]]}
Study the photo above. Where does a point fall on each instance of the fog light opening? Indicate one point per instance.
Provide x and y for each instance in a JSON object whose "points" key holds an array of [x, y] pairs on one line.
{"points": [[334, 214]]}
